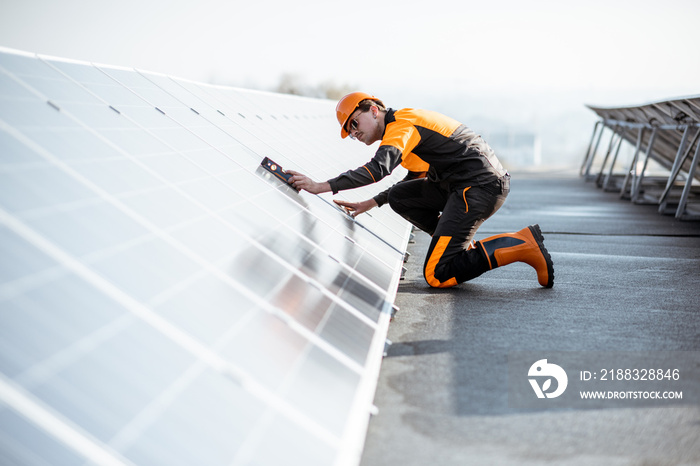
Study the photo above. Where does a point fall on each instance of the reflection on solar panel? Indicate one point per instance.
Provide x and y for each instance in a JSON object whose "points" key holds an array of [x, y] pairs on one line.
{"points": [[667, 132], [165, 300]]}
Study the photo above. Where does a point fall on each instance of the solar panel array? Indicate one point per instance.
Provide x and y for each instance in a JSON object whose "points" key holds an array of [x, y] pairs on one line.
{"points": [[676, 113], [667, 132], [165, 300]]}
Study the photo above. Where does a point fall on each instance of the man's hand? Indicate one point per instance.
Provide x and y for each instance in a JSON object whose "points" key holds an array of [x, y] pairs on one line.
{"points": [[300, 182], [356, 208]]}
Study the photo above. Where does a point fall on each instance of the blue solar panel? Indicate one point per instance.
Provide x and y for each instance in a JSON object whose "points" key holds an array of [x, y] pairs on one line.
{"points": [[165, 300]]}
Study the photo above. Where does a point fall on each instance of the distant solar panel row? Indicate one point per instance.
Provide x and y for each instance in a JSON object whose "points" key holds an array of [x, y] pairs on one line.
{"points": [[165, 300], [667, 132]]}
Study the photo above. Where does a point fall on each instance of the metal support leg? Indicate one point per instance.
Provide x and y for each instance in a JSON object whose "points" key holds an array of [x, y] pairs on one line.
{"points": [[590, 146], [632, 171], [608, 177], [595, 151], [688, 183], [638, 185], [677, 166], [607, 156]]}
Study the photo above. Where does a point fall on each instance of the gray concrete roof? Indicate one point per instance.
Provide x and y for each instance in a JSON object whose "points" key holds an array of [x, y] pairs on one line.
{"points": [[626, 279]]}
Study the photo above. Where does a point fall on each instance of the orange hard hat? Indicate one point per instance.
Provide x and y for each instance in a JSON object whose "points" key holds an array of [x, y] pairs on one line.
{"points": [[347, 105]]}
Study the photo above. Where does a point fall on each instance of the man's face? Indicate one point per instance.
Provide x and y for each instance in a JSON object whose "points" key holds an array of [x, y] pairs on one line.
{"points": [[364, 126]]}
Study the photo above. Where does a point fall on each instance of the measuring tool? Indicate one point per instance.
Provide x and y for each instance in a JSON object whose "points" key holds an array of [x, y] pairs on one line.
{"points": [[276, 170]]}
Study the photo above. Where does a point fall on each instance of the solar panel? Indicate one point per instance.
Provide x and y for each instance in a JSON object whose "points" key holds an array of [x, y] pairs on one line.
{"points": [[673, 116], [164, 299], [667, 132]]}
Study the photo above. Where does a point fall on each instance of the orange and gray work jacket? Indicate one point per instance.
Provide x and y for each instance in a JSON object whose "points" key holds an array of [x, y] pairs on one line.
{"points": [[457, 157]]}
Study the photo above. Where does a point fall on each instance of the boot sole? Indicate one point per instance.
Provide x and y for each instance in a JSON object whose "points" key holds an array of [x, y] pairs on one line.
{"points": [[537, 234]]}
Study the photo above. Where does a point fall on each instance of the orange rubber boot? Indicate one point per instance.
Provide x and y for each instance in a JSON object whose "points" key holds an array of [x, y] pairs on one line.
{"points": [[526, 245]]}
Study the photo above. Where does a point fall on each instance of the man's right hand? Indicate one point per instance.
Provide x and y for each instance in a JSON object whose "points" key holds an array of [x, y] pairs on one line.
{"points": [[300, 181]]}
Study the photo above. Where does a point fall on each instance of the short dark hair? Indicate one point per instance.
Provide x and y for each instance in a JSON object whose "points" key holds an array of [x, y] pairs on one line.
{"points": [[366, 104]]}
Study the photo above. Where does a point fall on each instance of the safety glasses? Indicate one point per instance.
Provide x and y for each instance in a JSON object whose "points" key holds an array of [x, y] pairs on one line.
{"points": [[352, 126]]}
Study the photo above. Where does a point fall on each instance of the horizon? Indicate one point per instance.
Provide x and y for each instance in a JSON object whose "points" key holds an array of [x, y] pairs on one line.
{"points": [[511, 66]]}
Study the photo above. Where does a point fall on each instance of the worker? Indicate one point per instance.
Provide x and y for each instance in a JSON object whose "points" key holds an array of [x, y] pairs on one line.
{"points": [[465, 185]]}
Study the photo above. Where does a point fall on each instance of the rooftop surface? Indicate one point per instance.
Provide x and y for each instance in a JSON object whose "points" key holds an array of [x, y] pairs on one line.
{"points": [[626, 280]]}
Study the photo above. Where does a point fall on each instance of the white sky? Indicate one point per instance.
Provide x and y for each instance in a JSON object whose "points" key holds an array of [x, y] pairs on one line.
{"points": [[491, 45], [495, 56]]}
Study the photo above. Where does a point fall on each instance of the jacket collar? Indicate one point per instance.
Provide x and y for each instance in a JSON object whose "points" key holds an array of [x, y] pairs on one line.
{"points": [[388, 118]]}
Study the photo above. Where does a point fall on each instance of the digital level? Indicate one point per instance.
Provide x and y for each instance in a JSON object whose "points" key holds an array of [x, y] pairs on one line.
{"points": [[276, 170]]}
